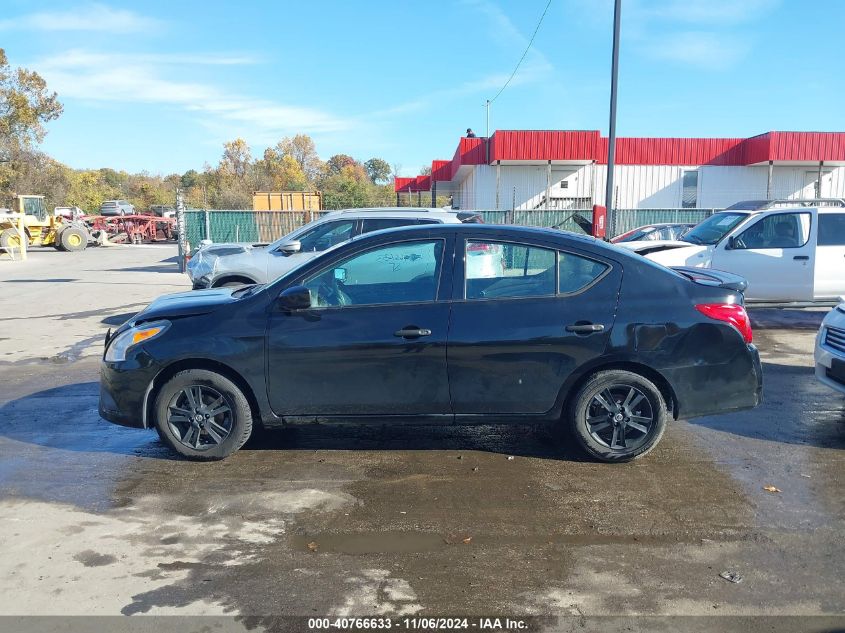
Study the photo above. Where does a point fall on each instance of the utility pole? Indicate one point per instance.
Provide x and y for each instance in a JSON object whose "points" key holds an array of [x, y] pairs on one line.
{"points": [[611, 138], [181, 229]]}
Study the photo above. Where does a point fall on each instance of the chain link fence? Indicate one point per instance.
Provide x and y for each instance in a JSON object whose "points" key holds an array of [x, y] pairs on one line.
{"points": [[267, 226]]}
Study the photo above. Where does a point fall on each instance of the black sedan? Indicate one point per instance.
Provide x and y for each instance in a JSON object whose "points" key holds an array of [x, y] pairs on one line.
{"points": [[451, 324]]}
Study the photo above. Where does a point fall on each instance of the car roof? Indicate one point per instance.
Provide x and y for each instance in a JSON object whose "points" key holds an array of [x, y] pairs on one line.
{"points": [[492, 229], [378, 212]]}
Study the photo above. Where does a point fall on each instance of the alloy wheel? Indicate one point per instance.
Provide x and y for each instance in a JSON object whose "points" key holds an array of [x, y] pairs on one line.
{"points": [[199, 417], [620, 417]]}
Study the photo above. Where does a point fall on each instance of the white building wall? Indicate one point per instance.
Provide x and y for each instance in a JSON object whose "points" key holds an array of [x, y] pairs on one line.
{"points": [[641, 186]]}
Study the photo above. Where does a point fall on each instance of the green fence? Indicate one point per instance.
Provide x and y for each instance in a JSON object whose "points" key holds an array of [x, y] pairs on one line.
{"points": [[267, 226], [623, 220], [243, 226]]}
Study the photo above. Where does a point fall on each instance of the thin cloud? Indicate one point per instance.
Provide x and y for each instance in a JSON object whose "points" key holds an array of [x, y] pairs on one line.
{"points": [[721, 12], [503, 31], [703, 50], [91, 18], [101, 77]]}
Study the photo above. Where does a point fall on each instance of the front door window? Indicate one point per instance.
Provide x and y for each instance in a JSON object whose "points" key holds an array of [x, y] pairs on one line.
{"points": [[401, 272]]}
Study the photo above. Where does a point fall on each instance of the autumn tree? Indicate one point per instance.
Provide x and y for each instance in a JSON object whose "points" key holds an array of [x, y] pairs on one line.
{"points": [[337, 162], [236, 159], [282, 171], [25, 106], [301, 148]]}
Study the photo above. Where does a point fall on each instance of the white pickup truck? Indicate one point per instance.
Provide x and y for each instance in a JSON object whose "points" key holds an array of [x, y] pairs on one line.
{"points": [[788, 255]]}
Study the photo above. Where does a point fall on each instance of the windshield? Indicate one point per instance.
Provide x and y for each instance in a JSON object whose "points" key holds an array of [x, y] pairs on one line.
{"points": [[714, 228]]}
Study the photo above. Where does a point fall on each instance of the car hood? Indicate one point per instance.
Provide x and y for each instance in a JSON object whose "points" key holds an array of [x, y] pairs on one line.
{"points": [[652, 245], [184, 304], [690, 255]]}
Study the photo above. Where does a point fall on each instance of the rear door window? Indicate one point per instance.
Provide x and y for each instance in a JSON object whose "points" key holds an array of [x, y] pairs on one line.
{"points": [[831, 229], [499, 270]]}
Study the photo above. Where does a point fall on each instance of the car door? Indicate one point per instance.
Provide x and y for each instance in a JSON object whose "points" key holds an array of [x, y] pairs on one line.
{"points": [[775, 254], [829, 276], [374, 341], [516, 334]]}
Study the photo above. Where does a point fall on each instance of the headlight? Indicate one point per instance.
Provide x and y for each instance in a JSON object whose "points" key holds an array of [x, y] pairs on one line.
{"points": [[120, 344]]}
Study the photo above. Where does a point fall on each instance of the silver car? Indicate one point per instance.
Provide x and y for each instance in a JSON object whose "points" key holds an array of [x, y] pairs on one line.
{"points": [[217, 265], [117, 207]]}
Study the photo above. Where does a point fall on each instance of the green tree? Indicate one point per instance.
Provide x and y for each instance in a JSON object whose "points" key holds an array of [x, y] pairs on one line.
{"points": [[378, 170]]}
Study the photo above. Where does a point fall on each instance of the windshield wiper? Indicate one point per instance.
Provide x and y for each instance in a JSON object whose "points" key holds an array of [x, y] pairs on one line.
{"points": [[248, 291], [690, 238]]}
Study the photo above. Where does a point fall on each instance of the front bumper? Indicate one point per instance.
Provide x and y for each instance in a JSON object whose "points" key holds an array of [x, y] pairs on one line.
{"points": [[124, 390], [825, 373]]}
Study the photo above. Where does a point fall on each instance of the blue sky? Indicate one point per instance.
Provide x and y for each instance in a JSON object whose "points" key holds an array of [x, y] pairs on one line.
{"points": [[159, 86]]}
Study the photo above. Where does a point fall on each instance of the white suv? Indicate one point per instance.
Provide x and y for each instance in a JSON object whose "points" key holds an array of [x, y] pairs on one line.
{"points": [[788, 255], [216, 265], [830, 349]]}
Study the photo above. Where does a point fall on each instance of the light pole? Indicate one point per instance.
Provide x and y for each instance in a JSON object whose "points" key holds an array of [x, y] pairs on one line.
{"points": [[611, 137]]}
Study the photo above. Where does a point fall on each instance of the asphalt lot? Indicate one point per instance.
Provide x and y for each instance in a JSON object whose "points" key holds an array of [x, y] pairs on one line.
{"points": [[99, 519]]}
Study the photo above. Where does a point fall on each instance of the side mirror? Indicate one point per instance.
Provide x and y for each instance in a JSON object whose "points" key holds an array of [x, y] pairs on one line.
{"points": [[289, 248], [731, 245], [295, 298]]}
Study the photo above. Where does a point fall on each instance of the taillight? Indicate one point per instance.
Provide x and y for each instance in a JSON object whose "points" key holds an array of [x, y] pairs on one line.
{"points": [[729, 313], [479, 246]]}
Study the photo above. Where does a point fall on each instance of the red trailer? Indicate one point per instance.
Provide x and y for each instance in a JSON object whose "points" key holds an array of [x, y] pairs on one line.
{"points": [[134, 229]]}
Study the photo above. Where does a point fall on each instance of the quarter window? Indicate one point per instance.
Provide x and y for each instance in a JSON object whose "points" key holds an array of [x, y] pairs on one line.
{"points": [[576, 272], [831, 229], [401, 272], [781, 230], [496, 270]]}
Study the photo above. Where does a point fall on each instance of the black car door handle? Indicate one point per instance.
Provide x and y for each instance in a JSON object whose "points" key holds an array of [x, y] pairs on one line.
{"points": [[802, 257], [412, 332], [584, 328]]}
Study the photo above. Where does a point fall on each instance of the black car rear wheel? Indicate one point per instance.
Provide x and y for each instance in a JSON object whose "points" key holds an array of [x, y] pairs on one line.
{"points": [[618, 415], [202, 415]]}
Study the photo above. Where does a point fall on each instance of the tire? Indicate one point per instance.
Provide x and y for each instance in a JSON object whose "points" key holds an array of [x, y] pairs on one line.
{"points": [[600, 430], [10, 238], [57, 241], [73, 239], [200, 444]]}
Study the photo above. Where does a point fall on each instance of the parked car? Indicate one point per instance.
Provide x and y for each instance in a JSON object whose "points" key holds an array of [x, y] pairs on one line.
{"points": [[117, 207], [787, 254], [573, 332], [71, 213], [651, 232], [830, 349], [163, 211], [232, 264]]}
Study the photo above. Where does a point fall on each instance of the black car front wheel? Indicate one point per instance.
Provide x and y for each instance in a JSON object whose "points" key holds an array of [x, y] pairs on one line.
{"points": [[202, 415], [618, 415]]}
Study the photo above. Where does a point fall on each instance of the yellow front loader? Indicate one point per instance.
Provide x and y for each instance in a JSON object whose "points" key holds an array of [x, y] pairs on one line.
{"points": [[41, 229]]}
